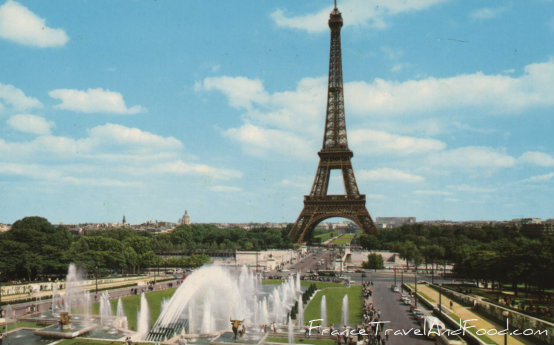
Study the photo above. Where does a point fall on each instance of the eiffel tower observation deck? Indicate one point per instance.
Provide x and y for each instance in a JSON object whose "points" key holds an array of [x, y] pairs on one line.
{"points": [[334, 155]]}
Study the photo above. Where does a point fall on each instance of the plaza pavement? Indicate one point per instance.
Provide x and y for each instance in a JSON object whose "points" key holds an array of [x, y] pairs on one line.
{"points": [[465, 313], [90, 287]]}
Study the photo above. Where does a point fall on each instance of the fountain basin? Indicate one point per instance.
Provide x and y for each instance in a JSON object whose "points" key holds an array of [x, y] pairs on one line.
{"points": [[248, 338], [55, 331], [24, 336]]}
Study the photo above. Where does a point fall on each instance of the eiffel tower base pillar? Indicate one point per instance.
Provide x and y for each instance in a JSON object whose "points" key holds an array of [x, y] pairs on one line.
{"points": [[315, 211]]}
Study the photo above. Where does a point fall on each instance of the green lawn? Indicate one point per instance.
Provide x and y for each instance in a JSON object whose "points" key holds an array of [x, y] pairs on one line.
{"points": [[343, 239], [131, 305], [28, 324], [301, 341], [334, 296], [484, 338], [326, 235]]}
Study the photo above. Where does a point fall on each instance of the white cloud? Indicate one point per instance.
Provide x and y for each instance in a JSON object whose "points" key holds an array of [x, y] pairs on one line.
{"points": [[19, 24], [130, 139], [107, 156], [540, 178], [275, 123], [432, 192], [181, 168], [537, 158], [487, 13], [225, 189], [259, 141], [355, 12], [498, 93], [30, 124], [16, 98], [392, 53], [93, 101], [471, 157], [60, 174], [240, 91], [387, 174], [472, 189], [297, 182], [379, 142]]}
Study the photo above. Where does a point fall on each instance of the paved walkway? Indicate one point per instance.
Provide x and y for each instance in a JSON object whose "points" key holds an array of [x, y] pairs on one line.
{"points": [[90, 287], [465, 313]]}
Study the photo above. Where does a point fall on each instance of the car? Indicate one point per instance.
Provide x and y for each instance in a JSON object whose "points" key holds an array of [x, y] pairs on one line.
{"points": [[418, 314], [432, 326], [447, 338], [395, 288], [406, 300]]}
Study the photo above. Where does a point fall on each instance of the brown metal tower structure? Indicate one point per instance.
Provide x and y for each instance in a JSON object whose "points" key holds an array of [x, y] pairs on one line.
{"points": [[334, 154]]}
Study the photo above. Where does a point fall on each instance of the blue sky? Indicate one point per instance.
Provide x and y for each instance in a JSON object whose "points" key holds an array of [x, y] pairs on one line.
{"points": [[148, 108]]}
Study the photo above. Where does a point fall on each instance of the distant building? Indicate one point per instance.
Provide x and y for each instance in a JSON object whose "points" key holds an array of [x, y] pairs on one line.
{"points": [[123, 221], [185, 219], [393, 222]]}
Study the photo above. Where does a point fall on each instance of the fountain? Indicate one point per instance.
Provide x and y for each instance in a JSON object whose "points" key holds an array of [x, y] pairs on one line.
{"points": [[300, 315], [290, 332], [323, 312], [345, 310], [143, 318], [212, 295], [105, 308]]}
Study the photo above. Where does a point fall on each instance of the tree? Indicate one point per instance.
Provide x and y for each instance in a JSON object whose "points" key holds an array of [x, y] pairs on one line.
{"points": [[374, 261]]}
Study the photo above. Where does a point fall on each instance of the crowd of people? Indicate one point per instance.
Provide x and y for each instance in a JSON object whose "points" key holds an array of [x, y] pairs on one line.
{"points": [[370, 332]]}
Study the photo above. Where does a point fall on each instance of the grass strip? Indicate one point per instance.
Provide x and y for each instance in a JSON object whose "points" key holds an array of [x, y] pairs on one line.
{"points": [[301, 341], [334, 298], [471, 330]]}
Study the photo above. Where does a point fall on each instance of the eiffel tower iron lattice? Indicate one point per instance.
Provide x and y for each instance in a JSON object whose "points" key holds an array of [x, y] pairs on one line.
{"points": [[334, 155]]}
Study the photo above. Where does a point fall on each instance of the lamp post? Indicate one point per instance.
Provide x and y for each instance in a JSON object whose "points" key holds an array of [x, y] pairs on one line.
{"points": [[402, 277], [394, 276], [440, 299], [415, 280], [96, 276], [506, 314]]}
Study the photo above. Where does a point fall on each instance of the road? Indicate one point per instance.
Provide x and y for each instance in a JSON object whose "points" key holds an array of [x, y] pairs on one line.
{"points": [[397, 314]]}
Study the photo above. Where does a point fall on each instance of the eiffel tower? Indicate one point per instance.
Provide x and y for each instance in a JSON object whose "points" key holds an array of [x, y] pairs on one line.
{"points": [[334, 154]]}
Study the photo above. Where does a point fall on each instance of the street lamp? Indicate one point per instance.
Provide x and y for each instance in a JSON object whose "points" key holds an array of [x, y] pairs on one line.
{"points": [[394, 269], [506, 314], [96, 276], [401, 277], [415, 297], [440, 299]]}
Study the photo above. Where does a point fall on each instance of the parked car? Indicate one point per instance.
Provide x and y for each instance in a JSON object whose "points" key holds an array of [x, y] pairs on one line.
{"points": [[432, 326], [395, 288], [418, 314], [450, 339]]}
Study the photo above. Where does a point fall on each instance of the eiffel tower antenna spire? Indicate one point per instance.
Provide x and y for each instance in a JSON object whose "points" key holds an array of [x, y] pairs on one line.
{"points": [[334, 155]]}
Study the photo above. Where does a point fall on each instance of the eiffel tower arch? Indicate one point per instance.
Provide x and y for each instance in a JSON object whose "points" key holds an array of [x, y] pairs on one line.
{"points": [[334, 155]]}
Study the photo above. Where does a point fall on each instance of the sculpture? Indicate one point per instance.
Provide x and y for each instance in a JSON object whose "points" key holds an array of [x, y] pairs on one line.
{"points": [[64, 320], [235, 327]]}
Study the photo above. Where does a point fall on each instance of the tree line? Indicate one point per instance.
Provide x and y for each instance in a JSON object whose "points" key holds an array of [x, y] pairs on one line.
{"points": [[35, 249], [492, 253]]}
